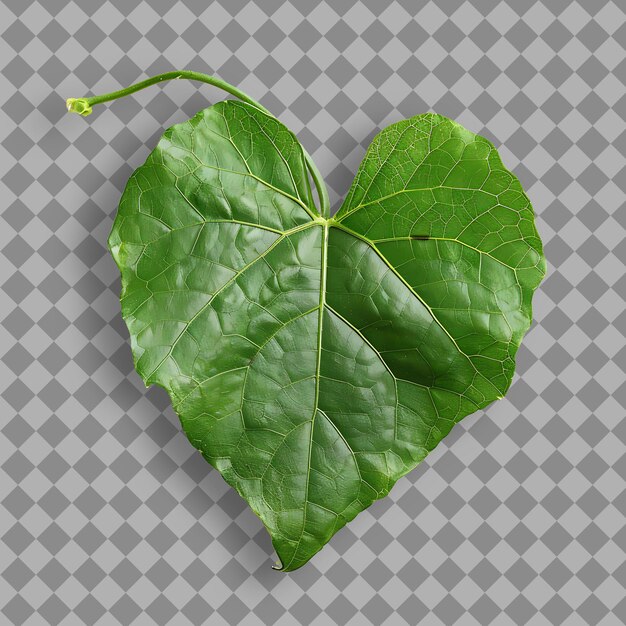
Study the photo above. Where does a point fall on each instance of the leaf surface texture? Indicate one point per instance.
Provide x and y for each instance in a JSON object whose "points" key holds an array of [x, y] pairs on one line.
{"points": [[314, 362]]}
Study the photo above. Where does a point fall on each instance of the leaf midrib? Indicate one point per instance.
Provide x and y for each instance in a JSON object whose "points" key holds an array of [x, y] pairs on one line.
{"points": [[320, 330]]}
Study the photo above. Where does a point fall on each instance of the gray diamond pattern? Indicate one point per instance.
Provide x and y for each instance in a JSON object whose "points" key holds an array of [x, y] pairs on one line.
{"points": [[109, 516]]}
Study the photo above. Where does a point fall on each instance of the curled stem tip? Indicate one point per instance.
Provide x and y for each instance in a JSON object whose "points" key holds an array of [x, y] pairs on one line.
{"points": [[78, 105]]}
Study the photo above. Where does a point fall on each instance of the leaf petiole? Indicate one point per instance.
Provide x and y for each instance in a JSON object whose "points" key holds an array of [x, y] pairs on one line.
{"points": [[83, 106]]}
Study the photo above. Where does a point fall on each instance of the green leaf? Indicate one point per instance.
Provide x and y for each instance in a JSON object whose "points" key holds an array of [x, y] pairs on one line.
{"points": [[314, 362]]}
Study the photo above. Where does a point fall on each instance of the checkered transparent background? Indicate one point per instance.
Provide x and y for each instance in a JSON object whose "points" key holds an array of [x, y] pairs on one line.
{"points": [[108, 514]]}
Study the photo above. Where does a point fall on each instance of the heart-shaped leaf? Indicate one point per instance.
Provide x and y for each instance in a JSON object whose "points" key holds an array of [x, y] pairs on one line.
{"points": [[315, 361]]}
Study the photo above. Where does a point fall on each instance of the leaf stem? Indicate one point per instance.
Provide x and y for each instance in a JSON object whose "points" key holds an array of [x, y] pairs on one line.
{"points": [[83, 106]]}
